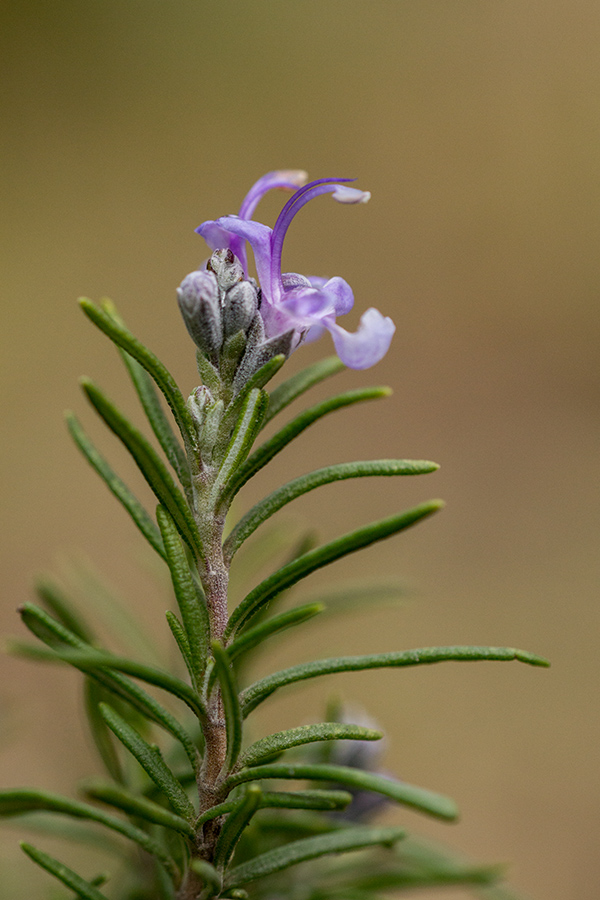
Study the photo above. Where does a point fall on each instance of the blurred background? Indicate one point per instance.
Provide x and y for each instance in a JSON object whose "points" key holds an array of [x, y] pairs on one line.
{"points": [[476, 127]]}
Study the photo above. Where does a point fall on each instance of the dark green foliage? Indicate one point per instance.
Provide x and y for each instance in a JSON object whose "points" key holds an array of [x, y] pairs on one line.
{"points": [[198, 806]]}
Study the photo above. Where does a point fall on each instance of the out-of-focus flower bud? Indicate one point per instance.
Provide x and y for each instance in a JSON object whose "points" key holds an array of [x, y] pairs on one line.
{"points": [[198, 297]]}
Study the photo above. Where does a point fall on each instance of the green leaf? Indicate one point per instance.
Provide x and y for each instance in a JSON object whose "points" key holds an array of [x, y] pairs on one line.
{"points": [[281, 439], [405, 794], [310, 848], [245, 431], [181, 641], [231, 704], [289, 390], [120, 490], [235, 823], [162, 377], [71, 879], [420, 864], [137, 805], [92, 659], [314, 799], [150, 759], [21, 800], [305, 734], [311, 799], [322, 556], [158, 421], [207, 873], [57, 602], [305, 483], [249, 639], [260, 378], [94, 694], [144, 387], [52, 633], [262, 689], [194, 614], [149, 463]]}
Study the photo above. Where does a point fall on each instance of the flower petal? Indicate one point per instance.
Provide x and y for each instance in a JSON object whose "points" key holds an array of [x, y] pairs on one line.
{"points": [[259, 238], [341, 294], [368, 344], [284, 179]]}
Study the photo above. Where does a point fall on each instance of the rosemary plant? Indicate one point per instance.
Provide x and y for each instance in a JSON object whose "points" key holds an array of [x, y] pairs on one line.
{"points": [[207, 814]]}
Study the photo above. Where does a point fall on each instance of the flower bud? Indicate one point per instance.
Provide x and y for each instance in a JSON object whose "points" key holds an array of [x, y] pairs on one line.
{"points": [[239, 307], [227, 268], [198, 297]]}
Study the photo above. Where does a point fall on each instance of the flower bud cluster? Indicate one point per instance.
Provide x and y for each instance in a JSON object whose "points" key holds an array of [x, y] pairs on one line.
{"points": [[221, 311]]}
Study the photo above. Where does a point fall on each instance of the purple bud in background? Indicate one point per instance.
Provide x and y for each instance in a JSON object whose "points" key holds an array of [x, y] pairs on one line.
{"points": [[198, 297]]}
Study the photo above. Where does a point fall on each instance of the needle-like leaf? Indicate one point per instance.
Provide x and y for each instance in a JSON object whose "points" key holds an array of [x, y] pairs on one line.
{"points": [[281, 439], [310, 848], [21, 800], [149, 463], [262, 689], [276, 743], [150, 759], [231, 704], [295, 386], [118, 487], [345, 776], [84, 889], [194, 615], [162, 377], [305, 483], [322, 556]]}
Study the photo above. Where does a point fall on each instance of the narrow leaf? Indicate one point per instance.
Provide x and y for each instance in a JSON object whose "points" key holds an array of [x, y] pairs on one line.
{"points": [[281, 439], [322, 556], [305, 483], [305, 734], [52, 633], [22, 800], [289, 390], [151, 761], [260, 378], [162, 377], [71, 879], [249, 639], [90, 660], [149, 463], [158, 421], [315, 799], [262, 689], [235, 823], [194, 614], [181, 640], [137, 805], [310, 799], [120, 490], [57, 602], [311, 848], [207, 872], [231, 704], [405, 794], [94, 694], [244, 433]]}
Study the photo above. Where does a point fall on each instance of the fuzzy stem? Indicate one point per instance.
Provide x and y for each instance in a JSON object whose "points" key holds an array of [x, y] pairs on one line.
{"points": [[214, 576]]}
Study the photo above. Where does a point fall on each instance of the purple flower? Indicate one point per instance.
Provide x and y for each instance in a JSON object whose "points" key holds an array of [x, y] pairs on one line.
{"points": [[292, 302]]}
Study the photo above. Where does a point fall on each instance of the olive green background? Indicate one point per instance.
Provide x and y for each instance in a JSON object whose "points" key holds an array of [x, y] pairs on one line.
{"points": [[476, 125]]}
